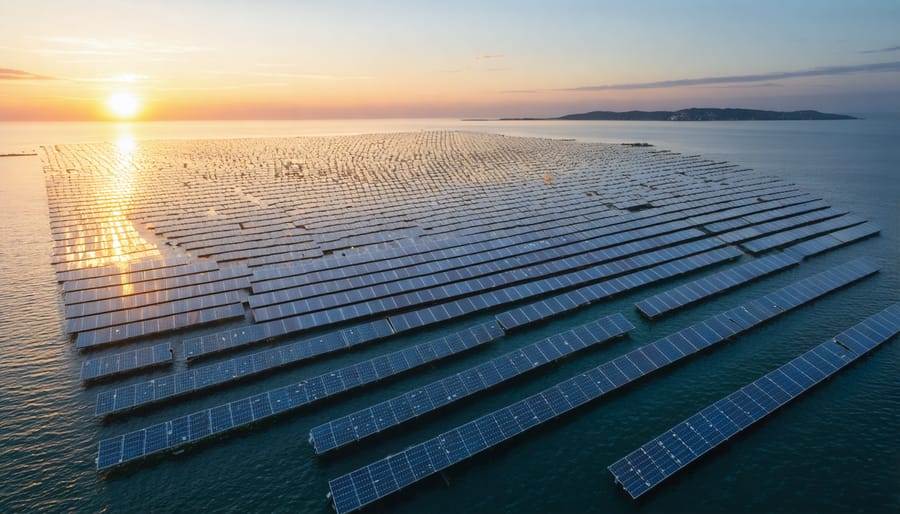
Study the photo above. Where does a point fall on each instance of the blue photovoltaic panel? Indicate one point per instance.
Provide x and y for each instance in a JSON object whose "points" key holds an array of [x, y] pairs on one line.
{"points": [[116, 334], [691, 292], [247, 410], [789, 236], [342, 431], [655, 461], [676, 261], [239, 368], [198, 347], [110, 365], [833, 240], [566, 302], [511, 421]]}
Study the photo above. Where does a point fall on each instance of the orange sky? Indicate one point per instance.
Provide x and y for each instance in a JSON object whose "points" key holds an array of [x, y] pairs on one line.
{"points": [[61, 60]]}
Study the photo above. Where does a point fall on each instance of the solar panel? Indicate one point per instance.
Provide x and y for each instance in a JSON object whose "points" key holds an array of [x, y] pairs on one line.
{"points": [[204, 346], [341, 431], [569, 394], [286, 398], [789, 236], [115, 334], [833, 240], [494, 278], [125, 362], [567, 302], [608, 288], [654, 462], [703, 288]]}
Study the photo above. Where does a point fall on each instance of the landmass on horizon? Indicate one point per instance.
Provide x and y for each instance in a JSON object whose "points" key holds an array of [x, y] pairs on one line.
{"points": [[693, 114]]}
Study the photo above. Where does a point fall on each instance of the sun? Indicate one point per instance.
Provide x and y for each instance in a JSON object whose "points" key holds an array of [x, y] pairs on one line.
{"points": [[124, 105]]}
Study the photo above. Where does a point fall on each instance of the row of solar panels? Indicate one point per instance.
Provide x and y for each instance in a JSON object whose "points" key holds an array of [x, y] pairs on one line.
{"points": [[138, 271], [710, 332], [142, 394], [193, 427], [711, 285], [430, 268], [336, 268], [441, 393], [293, 353], [333, 266], [553, 260], [351, 491], [153, 311], [666, 454], [143, 328], [184, 278], [322, 302], [214, 343], [216, 285], [94, 244]]}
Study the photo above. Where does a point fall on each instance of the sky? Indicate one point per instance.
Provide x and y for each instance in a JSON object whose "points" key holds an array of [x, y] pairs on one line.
{"points": [[298, 59]]}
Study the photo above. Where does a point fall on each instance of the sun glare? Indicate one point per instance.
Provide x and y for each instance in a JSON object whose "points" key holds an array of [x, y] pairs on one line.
{"points": [[124, 105]]}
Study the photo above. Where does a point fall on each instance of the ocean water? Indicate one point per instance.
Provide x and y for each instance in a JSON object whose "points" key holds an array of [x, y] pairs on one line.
{"points": [[833, 450]]}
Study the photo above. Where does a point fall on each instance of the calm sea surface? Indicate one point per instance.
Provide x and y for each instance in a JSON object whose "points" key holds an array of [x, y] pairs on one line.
{"points": [[834, 450]]}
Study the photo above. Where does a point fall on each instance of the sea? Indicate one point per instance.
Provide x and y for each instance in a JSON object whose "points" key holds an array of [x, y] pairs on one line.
{"points": [[835, 449]]}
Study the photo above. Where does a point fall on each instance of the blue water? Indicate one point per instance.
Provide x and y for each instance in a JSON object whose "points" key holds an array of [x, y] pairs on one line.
{"points": [[833, 450]]}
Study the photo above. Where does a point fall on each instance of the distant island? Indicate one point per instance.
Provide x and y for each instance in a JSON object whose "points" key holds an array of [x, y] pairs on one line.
{"points": [[695, 114]]}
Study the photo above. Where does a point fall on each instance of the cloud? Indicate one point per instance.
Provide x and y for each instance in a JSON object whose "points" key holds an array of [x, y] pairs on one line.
{"points": [[125, 78], [227, 87], [10, 74], [881, 50], [288, 75], [112, 47], [743, 79], [733, 86], [486, 57]]}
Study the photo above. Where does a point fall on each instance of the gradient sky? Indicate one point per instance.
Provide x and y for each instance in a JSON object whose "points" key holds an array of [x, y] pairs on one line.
{"points": [[61, 60]]}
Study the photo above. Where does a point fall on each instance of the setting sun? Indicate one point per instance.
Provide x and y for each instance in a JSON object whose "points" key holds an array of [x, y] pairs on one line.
{"points": [[123, 105]]}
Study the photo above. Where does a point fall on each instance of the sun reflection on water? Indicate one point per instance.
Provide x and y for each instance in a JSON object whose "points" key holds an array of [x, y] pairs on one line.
{"points": [[115, 240]]}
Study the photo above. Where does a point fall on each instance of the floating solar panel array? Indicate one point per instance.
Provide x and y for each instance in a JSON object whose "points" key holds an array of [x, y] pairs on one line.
{"points": [[436, 395], [365, 485], [142, 394], [663, 456], [200, 425], [126, 362], [304, 248], [692, 292]]}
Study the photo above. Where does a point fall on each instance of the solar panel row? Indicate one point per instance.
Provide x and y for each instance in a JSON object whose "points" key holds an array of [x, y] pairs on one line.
{"points": [[353, 427], [133, 279], [760, 229], [365, 485], [132, 267], [200, 425], [426, 289], [167, 288], [138, 300], [789, 236], [432, 273], [119, 400], [566, 302], [666, 454], [138, 314], [680, 259], [334, 267], [703, 288], [110, 335], [110, 365], [209, 344], [833, 240]]}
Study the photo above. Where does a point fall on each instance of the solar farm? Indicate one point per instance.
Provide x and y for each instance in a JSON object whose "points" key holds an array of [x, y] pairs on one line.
{"points": [[188, 268]]}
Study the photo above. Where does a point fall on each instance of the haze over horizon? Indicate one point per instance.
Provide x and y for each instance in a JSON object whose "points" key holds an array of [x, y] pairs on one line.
{"points": [[165, 60]]}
